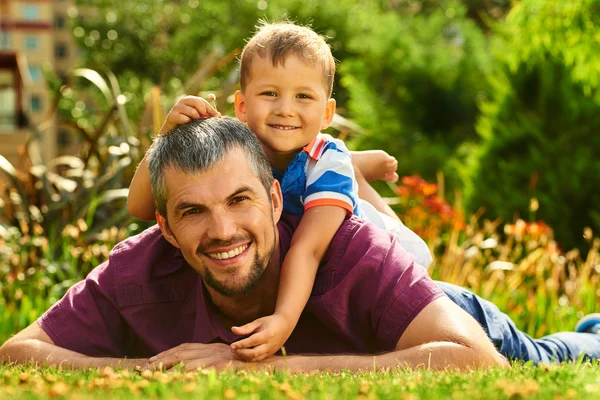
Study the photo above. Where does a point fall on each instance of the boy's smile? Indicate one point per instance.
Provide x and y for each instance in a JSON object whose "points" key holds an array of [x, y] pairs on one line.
{"points": [[286, 106]]}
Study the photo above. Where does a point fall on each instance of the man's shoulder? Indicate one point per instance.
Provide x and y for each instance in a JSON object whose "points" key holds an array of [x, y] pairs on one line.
{"points": [[358, 240], [139, 257]]}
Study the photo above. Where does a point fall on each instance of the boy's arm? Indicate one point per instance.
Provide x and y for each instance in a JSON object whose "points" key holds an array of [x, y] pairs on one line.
{"points": [[140, 202], [309, 244]]}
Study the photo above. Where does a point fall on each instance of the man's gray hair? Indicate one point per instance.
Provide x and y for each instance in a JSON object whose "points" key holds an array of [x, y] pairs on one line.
{"points": [[197, 146]]}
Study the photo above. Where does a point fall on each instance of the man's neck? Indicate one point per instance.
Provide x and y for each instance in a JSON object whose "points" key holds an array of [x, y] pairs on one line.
{"points": [[260, 302]]}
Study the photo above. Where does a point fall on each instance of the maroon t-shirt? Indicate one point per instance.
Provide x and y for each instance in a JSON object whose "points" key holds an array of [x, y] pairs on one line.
{"points": [[146, 299]]}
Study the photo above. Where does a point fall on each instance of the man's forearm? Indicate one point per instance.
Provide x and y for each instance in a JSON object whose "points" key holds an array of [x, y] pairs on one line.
{"points": [[37, 351], [437, 355]]}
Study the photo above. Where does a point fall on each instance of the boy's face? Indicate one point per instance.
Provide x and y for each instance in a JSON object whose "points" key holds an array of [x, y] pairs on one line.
{"points": [[285, 106]]}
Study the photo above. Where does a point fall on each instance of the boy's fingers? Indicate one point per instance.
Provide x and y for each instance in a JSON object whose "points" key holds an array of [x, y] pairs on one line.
{"points": [[256, 354], [201, 105], [189, 111], [255, 340], [246, 329]]}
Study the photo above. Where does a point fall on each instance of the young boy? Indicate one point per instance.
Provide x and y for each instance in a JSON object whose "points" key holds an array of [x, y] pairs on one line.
{"points": [[286, 78]]}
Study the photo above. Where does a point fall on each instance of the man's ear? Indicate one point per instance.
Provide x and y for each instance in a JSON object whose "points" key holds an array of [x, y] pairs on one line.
{"points": [[166, 231], [240, 106], [276, 200], [329, 113]]}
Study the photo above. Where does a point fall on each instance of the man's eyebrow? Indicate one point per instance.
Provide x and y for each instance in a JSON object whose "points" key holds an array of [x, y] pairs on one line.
{"points": [[240, 191], [182, 205]]}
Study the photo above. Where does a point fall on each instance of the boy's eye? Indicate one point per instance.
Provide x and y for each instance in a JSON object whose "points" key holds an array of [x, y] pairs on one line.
{"points": [[304, 96], [268, 93]]}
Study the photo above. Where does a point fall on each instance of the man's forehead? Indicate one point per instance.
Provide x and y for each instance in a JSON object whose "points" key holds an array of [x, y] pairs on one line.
{"points": [[224, 177]]}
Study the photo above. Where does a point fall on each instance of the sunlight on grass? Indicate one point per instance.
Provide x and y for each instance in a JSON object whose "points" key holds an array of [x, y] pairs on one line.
{"points": [[523, 381]]}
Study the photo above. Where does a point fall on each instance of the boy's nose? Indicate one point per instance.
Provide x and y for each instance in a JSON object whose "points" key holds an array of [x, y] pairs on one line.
{"points": [[284, 107]]}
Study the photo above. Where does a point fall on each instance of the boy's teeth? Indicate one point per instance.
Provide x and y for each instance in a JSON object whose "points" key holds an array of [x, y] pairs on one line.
{"points": [[229, 254], [283, 127]]}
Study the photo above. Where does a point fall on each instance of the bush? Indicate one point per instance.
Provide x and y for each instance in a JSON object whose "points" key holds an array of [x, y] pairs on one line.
{"points": [[413, 79], [539, 129]]}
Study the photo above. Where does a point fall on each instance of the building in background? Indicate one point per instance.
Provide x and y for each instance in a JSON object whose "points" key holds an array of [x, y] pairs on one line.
{"points": [[37, 34]]}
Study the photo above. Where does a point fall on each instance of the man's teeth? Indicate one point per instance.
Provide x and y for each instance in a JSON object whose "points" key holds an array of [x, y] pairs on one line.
{"points": [[229, 254]]}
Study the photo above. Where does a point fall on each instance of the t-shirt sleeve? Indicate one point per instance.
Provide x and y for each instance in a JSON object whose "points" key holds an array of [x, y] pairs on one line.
{"points": [[87, 319], [404, 289], [331, 181]]}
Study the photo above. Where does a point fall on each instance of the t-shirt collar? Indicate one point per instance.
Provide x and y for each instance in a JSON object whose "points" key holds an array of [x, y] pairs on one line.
{"points": [[208, 327]]}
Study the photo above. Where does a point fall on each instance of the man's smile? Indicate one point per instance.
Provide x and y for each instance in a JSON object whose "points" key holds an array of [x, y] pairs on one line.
{"points": [[225, 255]]}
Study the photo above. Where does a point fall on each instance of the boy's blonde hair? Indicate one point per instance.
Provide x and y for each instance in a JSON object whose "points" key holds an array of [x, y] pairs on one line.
{"points": [[279, 40]]}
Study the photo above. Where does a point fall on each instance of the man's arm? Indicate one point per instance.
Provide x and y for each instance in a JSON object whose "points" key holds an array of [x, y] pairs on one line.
{"points": [[441, 336], [32, 344]]}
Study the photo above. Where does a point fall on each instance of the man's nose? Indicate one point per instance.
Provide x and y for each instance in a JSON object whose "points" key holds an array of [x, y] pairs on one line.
{"points": [[222, 225]]}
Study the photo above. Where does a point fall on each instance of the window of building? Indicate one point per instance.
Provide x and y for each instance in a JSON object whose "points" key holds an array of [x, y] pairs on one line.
{"points": [[59, 21], [8, 102], [4, 40], [31, 42], [61, 50], [36, 103], [36, 72], [31, 12]]}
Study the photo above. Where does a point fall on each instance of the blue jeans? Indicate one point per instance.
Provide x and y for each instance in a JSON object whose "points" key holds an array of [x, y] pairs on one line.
{"points": [[514, 344]]}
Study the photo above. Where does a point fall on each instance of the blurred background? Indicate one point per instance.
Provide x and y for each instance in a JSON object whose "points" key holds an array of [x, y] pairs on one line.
{"points": [[492, 108]]}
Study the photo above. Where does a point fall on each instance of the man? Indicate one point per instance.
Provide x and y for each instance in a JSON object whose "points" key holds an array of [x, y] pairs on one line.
{"points": [[173, 292]]}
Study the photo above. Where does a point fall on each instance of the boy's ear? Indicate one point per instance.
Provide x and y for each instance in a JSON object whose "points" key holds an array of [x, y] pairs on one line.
{"points": [[240, 106], [166, 231], [329, 113]]}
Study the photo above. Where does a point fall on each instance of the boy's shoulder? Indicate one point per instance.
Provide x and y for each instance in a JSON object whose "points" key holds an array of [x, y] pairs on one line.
{"points": [[324, 145]]}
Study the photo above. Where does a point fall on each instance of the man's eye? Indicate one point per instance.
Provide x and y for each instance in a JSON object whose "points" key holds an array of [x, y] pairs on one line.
{"points": [[191, 211], [239, 199]]}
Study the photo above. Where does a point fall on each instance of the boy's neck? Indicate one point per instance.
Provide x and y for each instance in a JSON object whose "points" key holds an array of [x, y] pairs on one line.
{"points": [[280, 161]]}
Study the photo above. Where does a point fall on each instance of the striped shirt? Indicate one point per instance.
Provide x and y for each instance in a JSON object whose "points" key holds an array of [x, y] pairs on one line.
{"points": [[320, 175]]}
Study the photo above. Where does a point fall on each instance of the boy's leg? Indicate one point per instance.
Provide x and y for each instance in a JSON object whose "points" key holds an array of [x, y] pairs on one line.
{"points": [[514, 344]]}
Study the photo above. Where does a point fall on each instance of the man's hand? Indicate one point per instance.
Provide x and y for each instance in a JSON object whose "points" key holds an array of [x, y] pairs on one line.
{"points": [[186, 110], [268, 336], [197, 355]]}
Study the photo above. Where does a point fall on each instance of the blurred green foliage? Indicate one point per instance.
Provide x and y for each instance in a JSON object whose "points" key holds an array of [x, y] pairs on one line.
{"points": [[500, 96], [539, 129]]}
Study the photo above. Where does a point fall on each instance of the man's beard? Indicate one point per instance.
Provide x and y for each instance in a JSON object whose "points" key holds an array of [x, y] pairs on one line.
{"points": [[256, 272]]}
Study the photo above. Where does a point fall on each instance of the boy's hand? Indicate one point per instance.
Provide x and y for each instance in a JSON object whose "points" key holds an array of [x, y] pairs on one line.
{"points": [[268, 336], [188, 109]]}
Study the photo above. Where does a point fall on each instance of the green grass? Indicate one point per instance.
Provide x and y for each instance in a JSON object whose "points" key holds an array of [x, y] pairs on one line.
{"points": [[581, 380]]}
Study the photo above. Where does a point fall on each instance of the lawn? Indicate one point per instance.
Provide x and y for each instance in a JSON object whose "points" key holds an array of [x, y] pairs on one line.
{"points": [[568, 381]]}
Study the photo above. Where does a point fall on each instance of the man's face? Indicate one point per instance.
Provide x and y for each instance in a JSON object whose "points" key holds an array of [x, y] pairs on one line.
{"points": [[224, 222], [286, 106]]}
